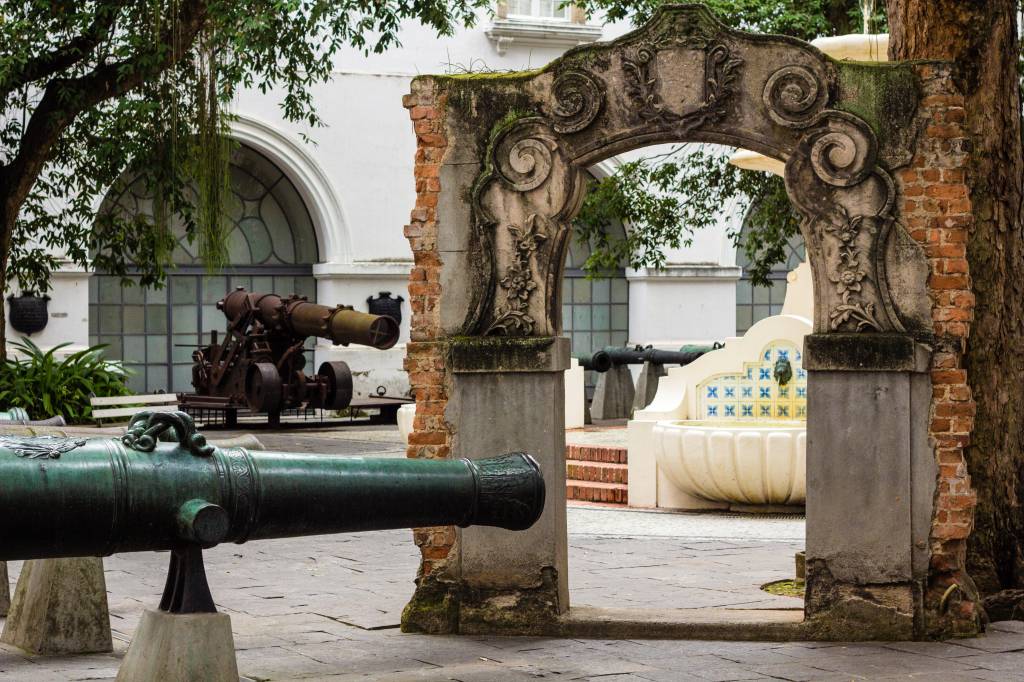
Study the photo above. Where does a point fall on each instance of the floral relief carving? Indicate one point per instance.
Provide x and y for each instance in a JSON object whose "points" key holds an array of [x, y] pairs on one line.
{"points": [[849, 274], [512, 317]]}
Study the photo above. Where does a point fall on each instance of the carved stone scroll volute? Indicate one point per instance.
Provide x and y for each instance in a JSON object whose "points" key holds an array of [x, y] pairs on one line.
{"points": [[523, 206], [847, 205]]}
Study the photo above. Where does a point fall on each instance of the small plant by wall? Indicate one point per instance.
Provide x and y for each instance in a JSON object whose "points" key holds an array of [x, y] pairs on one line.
{"points": [[46, 385]]}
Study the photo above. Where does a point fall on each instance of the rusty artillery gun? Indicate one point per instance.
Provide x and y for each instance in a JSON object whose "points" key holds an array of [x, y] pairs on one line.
{"points": [[261, 361]]}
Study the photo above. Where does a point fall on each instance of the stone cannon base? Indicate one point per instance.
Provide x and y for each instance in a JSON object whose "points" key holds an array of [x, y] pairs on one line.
{"points": [[181, 648], [60, 607]]}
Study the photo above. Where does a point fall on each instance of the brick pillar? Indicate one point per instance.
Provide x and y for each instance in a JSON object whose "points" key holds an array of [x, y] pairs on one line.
{"points": [[936, 209]]}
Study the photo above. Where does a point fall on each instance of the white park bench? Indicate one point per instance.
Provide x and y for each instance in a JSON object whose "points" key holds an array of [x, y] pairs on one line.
{"points": [[129, 405]]}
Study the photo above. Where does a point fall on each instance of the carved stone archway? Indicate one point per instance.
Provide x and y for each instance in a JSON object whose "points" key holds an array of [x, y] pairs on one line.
{"points": [[500, 176]]}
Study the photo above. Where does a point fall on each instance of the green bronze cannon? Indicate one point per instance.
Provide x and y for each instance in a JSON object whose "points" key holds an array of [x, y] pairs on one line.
{"points": [[66, 497], [18, 416]]}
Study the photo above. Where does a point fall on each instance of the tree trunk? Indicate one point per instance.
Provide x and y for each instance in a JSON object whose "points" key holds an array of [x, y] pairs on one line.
{"points": [[980, 37]]}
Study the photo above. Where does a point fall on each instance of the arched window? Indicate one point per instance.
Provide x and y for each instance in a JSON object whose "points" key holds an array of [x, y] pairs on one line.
{"points": [[754, 303], [271, 247]]}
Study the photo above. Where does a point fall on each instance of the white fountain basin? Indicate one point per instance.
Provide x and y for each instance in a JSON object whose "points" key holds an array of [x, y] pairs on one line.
{"points": [[744, 464]]}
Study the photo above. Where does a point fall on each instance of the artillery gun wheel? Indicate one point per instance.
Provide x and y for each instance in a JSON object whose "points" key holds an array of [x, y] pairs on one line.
{"points": [[263, 387], [338, 378]]}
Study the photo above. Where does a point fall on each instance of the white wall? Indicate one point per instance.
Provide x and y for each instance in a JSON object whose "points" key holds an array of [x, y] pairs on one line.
{"points": [[68, 313]]}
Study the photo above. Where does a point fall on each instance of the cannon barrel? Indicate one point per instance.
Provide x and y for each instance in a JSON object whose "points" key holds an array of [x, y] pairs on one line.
{"points": [[17, 416], [298, 317], [638, 355], [64, 497]]}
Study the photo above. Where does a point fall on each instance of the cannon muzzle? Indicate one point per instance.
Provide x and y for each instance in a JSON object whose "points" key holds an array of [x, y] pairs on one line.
{"points": [[64, 497], [598, 361]]}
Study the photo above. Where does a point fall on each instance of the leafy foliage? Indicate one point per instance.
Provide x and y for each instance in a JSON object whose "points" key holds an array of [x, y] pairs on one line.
{"points": [[667, 198], [46, 386], [94, 88], [664, 199]]}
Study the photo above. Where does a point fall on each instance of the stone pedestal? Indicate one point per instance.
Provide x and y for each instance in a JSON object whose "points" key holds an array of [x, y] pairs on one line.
{"points": [[509, 395], [614, 394], [60, 607], [647, 385], [181, 648], [871, 477]]}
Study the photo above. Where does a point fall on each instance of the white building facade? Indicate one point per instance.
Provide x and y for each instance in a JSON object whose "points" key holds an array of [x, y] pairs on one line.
{"points": [[326, 220]]}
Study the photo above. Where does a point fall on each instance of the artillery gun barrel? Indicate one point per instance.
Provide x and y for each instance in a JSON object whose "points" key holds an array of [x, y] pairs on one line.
{"points": [[640, 354], [18, 416], [65, 497], [300, 318]]}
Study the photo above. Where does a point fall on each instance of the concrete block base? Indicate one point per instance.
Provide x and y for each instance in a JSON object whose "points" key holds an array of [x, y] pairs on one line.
{"points": [[614, 394], [181, 648], [60, 607]]}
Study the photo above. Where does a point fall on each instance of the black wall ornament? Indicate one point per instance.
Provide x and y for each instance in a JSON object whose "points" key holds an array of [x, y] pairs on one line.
{"points": [[29, 313], [383, 304]]}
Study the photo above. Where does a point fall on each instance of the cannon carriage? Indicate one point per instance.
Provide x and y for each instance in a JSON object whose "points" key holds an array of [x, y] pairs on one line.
{"points": [[261, 362]]}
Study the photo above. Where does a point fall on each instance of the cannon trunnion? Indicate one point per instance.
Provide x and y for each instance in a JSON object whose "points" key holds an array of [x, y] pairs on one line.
{"points": [[261, 362]]}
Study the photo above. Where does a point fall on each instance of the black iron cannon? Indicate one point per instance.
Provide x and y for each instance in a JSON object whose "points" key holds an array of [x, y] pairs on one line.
{"points": [[260, 363], [66, 497], [609, 356], [638, 355], [615, 397]]}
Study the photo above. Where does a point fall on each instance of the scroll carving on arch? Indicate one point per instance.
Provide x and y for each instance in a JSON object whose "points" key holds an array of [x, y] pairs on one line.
{"points": [[846, 201], [683, 77], [523, 204], [579, 98]]}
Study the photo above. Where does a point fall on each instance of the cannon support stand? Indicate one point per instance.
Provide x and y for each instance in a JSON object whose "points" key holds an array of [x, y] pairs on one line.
{"points": [[185, 639], [60, 607]]}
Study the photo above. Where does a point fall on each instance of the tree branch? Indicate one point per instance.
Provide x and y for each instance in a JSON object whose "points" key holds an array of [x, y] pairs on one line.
{"points": [[64, 56], [64, 99]]}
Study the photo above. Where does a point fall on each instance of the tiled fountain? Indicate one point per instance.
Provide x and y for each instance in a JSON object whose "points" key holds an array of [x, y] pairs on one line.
{"points": [[728, 431]]}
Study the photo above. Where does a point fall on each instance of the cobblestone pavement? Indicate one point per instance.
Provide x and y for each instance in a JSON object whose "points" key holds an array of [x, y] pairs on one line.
{"points": [[327, 608]]}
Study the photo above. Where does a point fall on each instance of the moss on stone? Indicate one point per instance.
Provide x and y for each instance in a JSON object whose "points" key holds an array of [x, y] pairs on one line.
{"points": [[491, 76], [785, 588], [882, 94], [433, 609], [500, 353]]}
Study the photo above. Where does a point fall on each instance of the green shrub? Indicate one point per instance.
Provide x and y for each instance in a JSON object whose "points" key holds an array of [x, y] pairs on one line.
{"points": [[46, 386]]}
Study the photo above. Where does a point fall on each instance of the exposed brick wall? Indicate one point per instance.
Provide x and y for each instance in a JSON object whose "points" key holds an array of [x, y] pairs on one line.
{"points": [[425, 358], [936, 208]]}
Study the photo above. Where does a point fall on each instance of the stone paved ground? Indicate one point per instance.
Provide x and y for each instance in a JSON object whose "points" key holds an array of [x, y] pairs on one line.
{"points": [[326, 608]]}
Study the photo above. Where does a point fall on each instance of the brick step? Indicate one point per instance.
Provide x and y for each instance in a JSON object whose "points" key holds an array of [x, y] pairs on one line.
{"points": [[599, 472], [596, 453], [592, 491]]}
